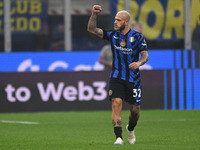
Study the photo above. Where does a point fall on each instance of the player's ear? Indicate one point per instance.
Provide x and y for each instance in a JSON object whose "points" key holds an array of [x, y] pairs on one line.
{"points": [[127, 22]]}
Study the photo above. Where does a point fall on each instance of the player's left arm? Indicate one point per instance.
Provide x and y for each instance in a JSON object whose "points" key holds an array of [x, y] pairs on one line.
{"points": [[144, 58]]}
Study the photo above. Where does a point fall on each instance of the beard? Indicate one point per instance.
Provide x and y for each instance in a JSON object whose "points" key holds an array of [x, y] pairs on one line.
{"points": [[121, 28]]}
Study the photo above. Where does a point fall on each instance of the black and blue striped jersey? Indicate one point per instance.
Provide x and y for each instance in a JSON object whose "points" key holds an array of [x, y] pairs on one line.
{"points": [[125, 50]]}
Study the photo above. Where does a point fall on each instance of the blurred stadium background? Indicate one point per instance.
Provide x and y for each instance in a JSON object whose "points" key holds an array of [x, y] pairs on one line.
{"points": [[48, 59], [49, 63]]}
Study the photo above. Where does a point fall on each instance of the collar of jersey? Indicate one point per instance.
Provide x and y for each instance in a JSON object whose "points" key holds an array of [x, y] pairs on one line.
{"points": [[122, 35], [125, 34]]}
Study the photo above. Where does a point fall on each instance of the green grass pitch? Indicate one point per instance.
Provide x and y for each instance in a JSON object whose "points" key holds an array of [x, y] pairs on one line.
{"points": [[156, 130]]}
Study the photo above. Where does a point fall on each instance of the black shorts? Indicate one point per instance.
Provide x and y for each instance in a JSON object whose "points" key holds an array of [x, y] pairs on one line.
{"points": [[127, 91]]}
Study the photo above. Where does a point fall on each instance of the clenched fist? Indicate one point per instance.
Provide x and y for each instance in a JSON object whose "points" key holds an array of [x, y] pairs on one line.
{"points": [[97, 9]]}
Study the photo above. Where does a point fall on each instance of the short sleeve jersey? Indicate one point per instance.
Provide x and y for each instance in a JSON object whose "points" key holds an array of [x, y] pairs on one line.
{"points": [[125, 50]]}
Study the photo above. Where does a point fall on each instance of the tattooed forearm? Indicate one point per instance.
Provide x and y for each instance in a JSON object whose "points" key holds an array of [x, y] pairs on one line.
{"points": [[92, 26], [144, 58], [99, 32]]}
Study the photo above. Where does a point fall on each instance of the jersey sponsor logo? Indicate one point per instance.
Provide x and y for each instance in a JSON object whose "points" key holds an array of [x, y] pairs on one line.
{"points": [[125, 50]]}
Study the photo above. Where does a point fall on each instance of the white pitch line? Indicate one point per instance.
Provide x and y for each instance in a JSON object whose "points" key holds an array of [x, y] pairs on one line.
{"points": [[19, 122]]}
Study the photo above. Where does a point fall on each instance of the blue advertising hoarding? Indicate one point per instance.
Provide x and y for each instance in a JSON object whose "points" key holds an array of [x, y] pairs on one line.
{"points": [[87, 61], [49, 61]]}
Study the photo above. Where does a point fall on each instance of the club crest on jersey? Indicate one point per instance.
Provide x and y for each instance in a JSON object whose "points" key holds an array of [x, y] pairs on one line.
{"points": [[110, 92], [131, 39], [123, 43]]}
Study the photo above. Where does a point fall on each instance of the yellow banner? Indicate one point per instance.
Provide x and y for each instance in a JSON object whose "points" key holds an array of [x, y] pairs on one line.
{"points": [[161, 19]]}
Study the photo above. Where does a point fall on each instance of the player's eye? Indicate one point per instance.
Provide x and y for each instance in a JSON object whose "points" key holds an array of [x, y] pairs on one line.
{"points": [[117, 20]]}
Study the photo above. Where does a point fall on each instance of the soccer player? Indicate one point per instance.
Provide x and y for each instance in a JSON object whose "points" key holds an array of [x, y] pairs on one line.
{"points": [[125, 82]]}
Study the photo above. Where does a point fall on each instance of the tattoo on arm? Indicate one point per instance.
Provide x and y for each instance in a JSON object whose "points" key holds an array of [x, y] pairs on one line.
{"points": [[92, 22], [92, 26], [99, 32], [144, 58]]}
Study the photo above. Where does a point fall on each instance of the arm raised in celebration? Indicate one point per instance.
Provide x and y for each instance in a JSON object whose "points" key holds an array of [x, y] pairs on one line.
{"points": [[92, 24]]}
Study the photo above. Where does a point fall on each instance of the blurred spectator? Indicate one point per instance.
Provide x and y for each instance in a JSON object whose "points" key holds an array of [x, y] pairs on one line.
{"points": [[106, 57], [196, 38], [57, 42]]}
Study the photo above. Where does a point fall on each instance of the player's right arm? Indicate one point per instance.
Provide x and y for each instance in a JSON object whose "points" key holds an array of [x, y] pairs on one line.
{"points": [[92, 24]]}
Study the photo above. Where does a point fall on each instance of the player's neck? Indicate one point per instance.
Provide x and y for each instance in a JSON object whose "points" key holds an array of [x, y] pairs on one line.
{"points": [[125, 31]]}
